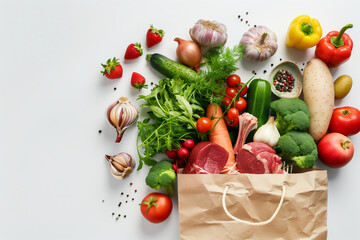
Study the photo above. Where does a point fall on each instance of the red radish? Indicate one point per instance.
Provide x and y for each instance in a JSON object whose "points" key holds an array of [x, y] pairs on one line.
{"points": [[189, 144], [175, 167], [171, 154], [183, 153], [180, 162]]}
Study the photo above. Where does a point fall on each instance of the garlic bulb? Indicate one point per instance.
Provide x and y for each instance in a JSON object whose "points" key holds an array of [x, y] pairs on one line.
{"points": [[121, 165], [260, 44], [208, 34], [268, 133], [122, 114]]}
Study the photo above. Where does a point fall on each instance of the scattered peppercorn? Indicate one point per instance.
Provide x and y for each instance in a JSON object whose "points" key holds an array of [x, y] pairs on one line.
{"points": [[247, 13], [114, 88], [131, 184], [238, 16], [151, 83], [264, 71], [135, 190], [246, 21], [254, 25], [119, 215], [117, 218], [122, 193], [283, 81], [302, 69], [102, 200], [241, 20], [272, 65], [124, 216], [304, 64], [127, 195], [100, 131], [280, 59], [113, 214], [132, 199], [126, 201]]}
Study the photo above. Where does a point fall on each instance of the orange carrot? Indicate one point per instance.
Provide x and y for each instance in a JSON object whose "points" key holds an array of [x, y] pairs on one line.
{"points": [[220, 135]]}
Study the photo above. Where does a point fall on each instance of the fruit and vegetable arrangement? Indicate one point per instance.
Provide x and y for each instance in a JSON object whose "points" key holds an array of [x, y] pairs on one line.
{"points": [[202, 118]]}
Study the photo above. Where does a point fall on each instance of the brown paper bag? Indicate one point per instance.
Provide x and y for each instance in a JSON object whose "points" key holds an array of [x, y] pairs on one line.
{"points": [[253, 206]]}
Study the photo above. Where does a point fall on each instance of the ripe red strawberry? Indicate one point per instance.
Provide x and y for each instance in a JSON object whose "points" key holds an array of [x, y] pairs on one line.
{"points": [[138, 81], [133, 51], [154, 36], [113, 69]]}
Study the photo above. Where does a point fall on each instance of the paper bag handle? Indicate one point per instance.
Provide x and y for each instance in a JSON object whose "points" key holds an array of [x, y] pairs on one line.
{"points": [[254, 223]]}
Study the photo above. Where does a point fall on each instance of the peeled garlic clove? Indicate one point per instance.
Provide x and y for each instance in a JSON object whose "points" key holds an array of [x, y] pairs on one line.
{"points": [[121, 165], [121, 115]]}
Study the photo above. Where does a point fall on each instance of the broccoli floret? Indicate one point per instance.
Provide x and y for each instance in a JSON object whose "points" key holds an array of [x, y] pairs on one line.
{"points": [[291, 114], [161, 175], [299, 147]]}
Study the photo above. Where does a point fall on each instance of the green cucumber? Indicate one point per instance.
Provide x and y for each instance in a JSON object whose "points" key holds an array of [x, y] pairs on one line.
{"points": [[169, 68], [258, 102]]}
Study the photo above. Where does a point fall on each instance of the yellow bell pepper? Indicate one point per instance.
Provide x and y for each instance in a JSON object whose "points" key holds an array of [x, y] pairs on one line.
{"points": [[304, 32]]}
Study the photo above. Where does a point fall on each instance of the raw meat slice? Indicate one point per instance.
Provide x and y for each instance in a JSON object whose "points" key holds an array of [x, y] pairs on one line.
{"points": [[259, 158], [206, 158], [247, 123]]}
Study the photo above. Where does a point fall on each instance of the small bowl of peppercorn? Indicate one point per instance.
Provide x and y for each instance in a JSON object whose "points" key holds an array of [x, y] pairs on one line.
{"points": [[286, 80]]}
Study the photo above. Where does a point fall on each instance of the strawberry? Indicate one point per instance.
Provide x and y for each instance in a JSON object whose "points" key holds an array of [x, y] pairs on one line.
{"points": [[154, 36], [138, 81], [133, 51], [113, 69]]}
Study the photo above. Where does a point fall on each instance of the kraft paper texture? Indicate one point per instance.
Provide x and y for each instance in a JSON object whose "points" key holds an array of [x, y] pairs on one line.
{"points": [[254, 198]]}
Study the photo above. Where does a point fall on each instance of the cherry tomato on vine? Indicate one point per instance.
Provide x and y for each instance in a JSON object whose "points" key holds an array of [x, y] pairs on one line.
{"points": [[203, 124], [231, 92], [240, 104], [232, 123], [232, 114], [244, 91], [226, 101], [233, 80]]}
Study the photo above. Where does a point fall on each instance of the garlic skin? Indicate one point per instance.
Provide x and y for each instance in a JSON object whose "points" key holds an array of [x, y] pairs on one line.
{"points": [[208, 34], [121, 115], [260, 42], [268, 133], [121, 165]]}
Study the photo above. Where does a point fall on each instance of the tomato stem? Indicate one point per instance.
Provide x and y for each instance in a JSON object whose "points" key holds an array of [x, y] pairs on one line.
{"points": [[345, 112], [150, 202], [346, 144]]}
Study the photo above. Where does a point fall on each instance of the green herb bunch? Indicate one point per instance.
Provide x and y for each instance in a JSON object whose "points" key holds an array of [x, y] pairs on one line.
{"points": [[174, 110]]}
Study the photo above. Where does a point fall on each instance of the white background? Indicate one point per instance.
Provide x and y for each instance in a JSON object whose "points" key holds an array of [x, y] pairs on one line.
{"points": [[53, 175]]}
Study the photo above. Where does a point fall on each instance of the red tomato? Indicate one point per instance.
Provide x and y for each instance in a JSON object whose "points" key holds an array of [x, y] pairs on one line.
{"points": [[231, 92], [156, 207], [232, 114], [171, 154], [189, 144], [345, 120], [335, 150], [244, 91], [183, 153], [233, 80], [227, 101], [203, 124], [240, 104], [232, 123]]}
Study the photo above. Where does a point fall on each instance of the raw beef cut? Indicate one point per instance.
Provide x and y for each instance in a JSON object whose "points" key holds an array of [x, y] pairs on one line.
{"points": [[247, 123], [206, 158], [258, 157]]}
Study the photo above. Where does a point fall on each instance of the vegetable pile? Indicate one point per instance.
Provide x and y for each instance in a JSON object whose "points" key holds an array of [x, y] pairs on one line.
{"points": [[205, 120]]}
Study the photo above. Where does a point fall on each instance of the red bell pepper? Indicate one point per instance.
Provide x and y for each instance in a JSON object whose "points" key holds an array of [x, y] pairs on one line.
{"points": [[335, 48]]}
